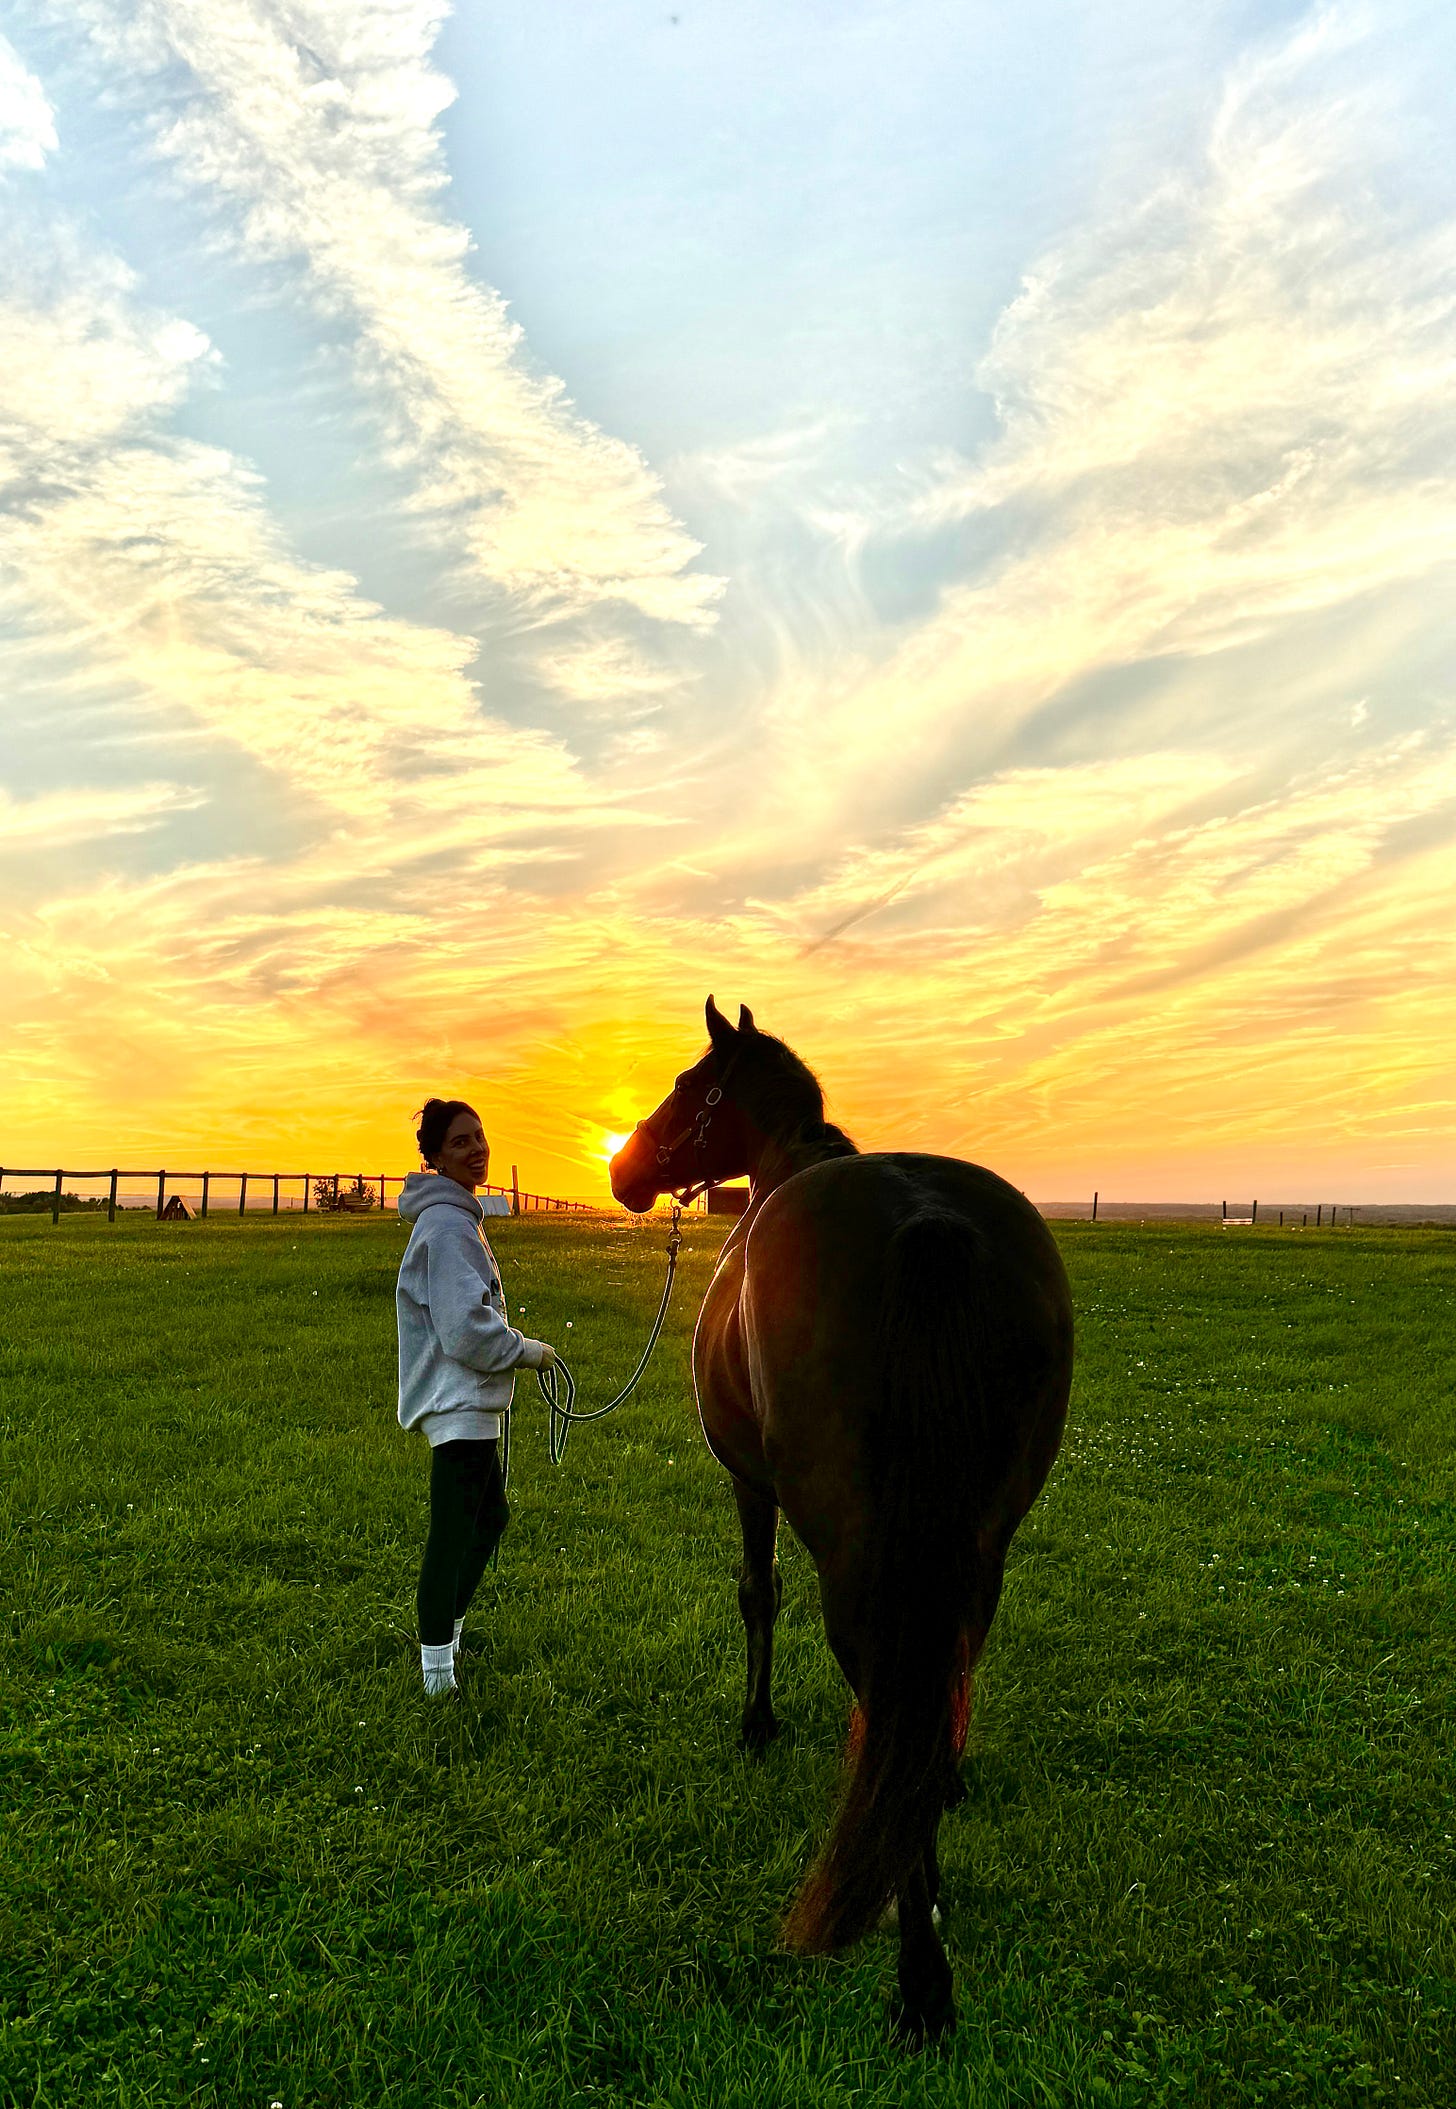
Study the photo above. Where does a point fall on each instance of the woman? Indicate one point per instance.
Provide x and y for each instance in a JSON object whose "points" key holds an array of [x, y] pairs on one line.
{"points": [[457, 1359]]}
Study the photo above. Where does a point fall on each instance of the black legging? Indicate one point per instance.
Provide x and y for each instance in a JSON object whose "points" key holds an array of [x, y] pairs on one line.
{"points": [[468, 1512]]}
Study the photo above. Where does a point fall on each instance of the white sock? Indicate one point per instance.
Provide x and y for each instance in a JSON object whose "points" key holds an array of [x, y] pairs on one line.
{"points": [[438, 1665], [455, 1643]]}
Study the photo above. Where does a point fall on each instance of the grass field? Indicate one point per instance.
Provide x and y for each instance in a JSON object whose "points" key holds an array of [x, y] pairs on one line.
{"points": [[1209, 1854]]}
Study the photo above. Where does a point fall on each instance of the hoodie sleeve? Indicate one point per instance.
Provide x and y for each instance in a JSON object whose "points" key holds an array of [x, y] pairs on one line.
{"points": [[469, 1329]]}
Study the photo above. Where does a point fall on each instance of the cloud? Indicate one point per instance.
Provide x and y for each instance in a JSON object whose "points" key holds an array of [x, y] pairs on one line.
{"points": [[84, 362], [59, 818], [144, 580], [27, 121], [746, 473], [1001, 844], [153, 560], [316, 122], [142, 574], [1240, 396], [1072, 955], [607, 672], [1225, 413]]}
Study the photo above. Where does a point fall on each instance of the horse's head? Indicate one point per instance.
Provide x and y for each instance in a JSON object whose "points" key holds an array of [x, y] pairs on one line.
{"points": [[697, 1135]]}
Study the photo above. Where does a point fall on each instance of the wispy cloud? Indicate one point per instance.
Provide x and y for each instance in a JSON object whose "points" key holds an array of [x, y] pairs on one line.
{"points": [[1074, 955], [27, 122], [155, 559], [315, 125], [59, 818], [1226, 412], [1235, 405]]}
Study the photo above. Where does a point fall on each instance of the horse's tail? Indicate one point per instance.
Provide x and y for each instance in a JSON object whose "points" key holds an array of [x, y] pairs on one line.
{"points": [[931, 1450]]}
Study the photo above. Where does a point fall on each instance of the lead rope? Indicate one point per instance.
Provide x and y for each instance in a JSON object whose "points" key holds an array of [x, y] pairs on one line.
{"points": [[558, 1385]]}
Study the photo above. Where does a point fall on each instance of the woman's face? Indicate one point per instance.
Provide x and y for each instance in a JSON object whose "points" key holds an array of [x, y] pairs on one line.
{"points": [[465, 1153]]}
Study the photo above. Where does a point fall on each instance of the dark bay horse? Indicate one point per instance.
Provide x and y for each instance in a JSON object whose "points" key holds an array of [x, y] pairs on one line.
{"points": [[885, 1354]]}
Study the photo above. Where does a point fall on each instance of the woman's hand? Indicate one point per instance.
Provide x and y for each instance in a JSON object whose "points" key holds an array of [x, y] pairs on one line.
{"points": [[548, 1356]]}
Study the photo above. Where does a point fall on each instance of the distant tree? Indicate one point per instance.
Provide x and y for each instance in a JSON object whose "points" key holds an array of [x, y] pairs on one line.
{"points": [[353, 1199], [41, 1200]]}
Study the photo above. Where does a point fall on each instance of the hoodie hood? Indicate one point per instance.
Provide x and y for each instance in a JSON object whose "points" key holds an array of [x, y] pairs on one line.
{"points": [[422, 1190]]}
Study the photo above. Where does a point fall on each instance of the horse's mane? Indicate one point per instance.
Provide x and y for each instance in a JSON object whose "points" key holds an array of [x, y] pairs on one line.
{"points": [[786, 1099]]}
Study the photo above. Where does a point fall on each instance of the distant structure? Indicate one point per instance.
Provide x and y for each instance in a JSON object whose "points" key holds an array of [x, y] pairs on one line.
{"points": [[727, 1200], [177, 1210]]}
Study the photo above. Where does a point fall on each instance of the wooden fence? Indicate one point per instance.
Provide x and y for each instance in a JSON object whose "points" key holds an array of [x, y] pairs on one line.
{"points": [[1317, 1215], [521, 1202]]}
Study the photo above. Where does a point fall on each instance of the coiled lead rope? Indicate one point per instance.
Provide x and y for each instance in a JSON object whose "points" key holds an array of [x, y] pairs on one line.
{"points": [[558, 1385]]}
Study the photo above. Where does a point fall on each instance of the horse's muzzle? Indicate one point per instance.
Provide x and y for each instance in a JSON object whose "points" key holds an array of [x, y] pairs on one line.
{"points": [[633, 1173]]}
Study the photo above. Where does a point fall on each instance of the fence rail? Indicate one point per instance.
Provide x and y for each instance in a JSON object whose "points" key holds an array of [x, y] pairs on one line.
{"points": [[357, 1198], [366, 1194], [1265, 1215]]}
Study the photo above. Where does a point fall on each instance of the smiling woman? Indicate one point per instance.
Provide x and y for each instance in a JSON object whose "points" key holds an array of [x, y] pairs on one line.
{"points": [[458, 1354]]}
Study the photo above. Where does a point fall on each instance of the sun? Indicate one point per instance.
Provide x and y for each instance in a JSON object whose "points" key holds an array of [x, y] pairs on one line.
{"points": [[612, 1143]]}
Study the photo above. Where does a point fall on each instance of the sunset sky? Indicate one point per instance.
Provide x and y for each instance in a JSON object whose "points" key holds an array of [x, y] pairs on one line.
{"points": [[936, 520]]}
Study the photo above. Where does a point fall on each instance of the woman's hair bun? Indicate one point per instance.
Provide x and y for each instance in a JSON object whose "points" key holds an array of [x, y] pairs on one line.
{"points": [[434, 1119]]}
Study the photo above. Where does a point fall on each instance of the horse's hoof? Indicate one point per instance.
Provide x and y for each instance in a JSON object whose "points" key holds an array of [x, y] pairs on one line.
{"points": [[916, 2028], [756, 1737]]}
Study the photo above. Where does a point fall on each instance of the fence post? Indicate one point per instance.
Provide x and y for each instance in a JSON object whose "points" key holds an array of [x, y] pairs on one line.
{"points": [[205, 1179], [1254, 1213], [1225, 1211], [515, 1191], [275, 1193], [382, 1177], [1319, 1211], [111, 1202], [336, 1191], [305, 1193], [1094, 1207], [56, 1199], [161, 1194], [242, 1193]]}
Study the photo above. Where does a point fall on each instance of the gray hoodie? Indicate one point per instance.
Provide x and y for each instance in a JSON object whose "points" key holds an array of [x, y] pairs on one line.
{"points": [[457, 1354]]}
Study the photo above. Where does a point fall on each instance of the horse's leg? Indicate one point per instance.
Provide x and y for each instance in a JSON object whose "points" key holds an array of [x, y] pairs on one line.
{"points": [[927, 2008], [760, 1590], [992, 1568], [840, 1595], [927, 2005]]}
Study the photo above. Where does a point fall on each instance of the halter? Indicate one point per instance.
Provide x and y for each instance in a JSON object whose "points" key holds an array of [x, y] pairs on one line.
{"points": [[696, 1129]]}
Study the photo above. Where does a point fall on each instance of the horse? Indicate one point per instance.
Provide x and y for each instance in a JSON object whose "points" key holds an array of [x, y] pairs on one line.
{"points": [[884, 1354]]}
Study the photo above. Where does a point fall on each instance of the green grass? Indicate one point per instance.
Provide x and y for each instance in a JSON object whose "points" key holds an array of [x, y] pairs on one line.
{"points": [[1209, 1855]]}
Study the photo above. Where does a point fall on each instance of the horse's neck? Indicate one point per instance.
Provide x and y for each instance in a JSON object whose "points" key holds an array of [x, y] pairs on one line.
{"points": [[783, 1155]]}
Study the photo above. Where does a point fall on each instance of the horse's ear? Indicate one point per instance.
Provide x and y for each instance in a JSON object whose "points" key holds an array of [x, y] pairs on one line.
{"points": [[745, 1019], [720, 1032]]}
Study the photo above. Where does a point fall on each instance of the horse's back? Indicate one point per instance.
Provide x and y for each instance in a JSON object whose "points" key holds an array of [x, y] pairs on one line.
{"points": [[825, 1251], [829, 1230]]}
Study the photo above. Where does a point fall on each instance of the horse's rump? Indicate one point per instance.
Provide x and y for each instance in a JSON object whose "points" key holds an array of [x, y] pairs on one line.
{"points": [[967, 1369]]}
